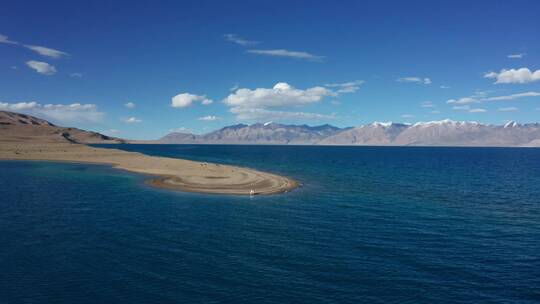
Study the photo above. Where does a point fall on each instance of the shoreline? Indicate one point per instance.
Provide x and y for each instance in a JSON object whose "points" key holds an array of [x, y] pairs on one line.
{"points": [[168, 173], [322, 145]]}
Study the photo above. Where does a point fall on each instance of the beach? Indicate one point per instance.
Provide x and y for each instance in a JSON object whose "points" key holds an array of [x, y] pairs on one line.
{"points": [[169, 173], [24, 137]]}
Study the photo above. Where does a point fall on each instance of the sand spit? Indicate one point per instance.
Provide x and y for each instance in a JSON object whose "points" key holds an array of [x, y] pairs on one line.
{"points": [[171, 173]]}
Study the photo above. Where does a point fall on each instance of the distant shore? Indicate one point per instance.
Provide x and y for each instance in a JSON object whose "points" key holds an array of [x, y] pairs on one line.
{"points": [[171, 173]]}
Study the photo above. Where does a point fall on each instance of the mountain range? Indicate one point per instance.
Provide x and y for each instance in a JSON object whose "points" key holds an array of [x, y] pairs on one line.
{"points": [[434, 133], [15, 127], [268, 133]]}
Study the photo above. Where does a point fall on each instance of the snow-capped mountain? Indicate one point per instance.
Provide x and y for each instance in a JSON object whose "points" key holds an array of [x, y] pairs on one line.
{"points": [[440, 133], [375, 134], [267, 133], [433, 133]]}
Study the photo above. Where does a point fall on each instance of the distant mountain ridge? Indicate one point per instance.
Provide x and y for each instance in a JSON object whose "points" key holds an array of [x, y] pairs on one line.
{"points": [[440, 133], [15, 127], [268, 133], [434, 133]]}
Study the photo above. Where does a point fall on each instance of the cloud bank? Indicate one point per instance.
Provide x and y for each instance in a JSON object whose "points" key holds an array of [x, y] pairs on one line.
{"points": [[479, 97], [522, 75], [261, 103], [281, 94], [61, 113], [513, 96]]}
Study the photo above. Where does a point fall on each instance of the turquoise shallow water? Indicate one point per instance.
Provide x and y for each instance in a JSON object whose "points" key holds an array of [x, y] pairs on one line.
{"points": [[373, 225]]}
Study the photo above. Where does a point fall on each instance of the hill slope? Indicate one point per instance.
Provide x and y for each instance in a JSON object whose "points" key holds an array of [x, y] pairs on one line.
{"points": [[15, 127]]}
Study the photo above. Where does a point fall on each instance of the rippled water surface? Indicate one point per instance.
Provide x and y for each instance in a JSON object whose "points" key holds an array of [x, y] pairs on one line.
{"points": [[373, 225]]}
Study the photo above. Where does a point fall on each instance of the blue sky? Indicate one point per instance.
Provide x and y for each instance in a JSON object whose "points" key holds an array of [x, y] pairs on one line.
{"points": [[138, 69]]}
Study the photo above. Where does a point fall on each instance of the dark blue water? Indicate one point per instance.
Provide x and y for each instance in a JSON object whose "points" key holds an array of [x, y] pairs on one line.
{"points": [[370, 225]]}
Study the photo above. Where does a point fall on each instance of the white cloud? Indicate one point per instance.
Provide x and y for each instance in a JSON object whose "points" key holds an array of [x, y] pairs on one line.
{"points": [[477, 110], [74, 112], [112, 131], [281, 94], [45, 51], [180, 130], [508, 109], [480, 97], [468, 109], [234, 88], [444, 87], [255, 104], [76, 75], [41, 67], [516, 56], [346, 87], [4, 39], [264, 114], [407, 116], [427, 104], [414, 79], [70, 113], [132, 120], [41, 50], [464, 100], [209, 118], [20, 106], [287, 53], [130, 105], [435, 112], [239, 40], [479, 94], [491, 75], [185, 100], [409, 79], [522, 75], [513, 96]]}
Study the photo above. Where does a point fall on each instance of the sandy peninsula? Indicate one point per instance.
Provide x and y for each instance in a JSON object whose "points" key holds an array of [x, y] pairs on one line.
{"points": [[28, 138], [170, 173]]}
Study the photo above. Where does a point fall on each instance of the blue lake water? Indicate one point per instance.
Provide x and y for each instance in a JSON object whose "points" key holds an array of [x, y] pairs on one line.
{"points": [[370, 225]]}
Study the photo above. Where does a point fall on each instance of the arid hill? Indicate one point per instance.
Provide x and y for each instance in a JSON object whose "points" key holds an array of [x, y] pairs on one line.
{"points": [[15, 127]]}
